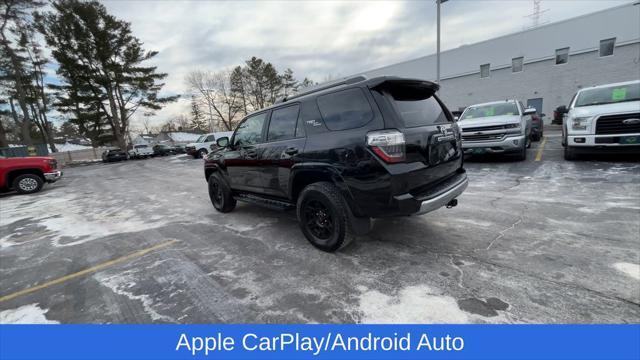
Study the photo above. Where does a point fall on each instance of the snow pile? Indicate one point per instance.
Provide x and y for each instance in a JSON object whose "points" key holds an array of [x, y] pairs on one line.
{"points": [[183, 137], [71, 147], [27, 314], [413, 304]]}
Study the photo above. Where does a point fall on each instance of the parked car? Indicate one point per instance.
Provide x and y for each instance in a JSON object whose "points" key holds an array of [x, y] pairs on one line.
{"points": [[114, 154], [342, 154], [499, 127], [179, 149], [27, 175], [163, 150], [558, 114], [537, 127], [603, 118], [202, 146], [141, 151]]}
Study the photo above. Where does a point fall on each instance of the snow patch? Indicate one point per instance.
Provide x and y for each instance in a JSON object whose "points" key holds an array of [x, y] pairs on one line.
{"points": [[27, 314], [414, 304], [629, 269], [71, 147], [123, 284]]}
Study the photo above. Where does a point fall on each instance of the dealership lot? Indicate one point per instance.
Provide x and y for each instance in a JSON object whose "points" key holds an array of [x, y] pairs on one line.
{"points": [[540, 241]]}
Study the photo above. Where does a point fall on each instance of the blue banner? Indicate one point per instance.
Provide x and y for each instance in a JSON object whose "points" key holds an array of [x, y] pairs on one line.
{"points": [[320, 341]]}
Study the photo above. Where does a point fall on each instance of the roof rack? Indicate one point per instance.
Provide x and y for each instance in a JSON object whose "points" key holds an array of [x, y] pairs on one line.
{"points": [[321, 87]]}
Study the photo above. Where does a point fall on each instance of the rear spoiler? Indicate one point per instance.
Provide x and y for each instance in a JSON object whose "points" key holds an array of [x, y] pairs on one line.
{"points": [[406, 89]]}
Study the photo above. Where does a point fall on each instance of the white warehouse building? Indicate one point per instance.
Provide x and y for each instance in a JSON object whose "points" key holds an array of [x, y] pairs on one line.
{"points": [[543, 66]]}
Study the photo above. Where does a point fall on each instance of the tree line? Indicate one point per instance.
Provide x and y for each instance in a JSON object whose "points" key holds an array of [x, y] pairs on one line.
{"points": [[223, 98], [101, 80]]}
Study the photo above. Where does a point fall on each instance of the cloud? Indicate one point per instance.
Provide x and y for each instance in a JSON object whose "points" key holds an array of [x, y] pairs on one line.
{"points": [[316, 38]]}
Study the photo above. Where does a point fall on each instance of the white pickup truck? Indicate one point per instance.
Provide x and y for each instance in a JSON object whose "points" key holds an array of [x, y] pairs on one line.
{"points": [[140, 151], [202, 146], [604, 118]]}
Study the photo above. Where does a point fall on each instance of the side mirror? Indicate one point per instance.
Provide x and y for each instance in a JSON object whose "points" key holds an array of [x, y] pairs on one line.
{"points": [[529, 111], [222, 142]]}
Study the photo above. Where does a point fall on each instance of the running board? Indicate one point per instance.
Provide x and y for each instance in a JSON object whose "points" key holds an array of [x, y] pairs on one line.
{"points": [[265, 202]]}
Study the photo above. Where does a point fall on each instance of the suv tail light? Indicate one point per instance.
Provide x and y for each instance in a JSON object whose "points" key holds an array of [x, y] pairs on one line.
{"points": [[389, 145]]}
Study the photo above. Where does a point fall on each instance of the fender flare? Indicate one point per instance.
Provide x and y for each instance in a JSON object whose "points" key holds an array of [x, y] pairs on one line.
{"points": [[329, 173]]}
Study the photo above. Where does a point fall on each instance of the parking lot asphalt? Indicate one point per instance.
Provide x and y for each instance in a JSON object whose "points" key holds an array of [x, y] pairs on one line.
{"points": [[540, 241]]}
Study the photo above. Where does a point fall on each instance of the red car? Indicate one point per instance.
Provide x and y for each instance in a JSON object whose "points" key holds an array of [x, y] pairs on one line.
{"points": [[27, 175]]}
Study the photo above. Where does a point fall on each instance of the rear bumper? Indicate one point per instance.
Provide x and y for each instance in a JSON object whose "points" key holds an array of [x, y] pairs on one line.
{"points": [[438, 196], [53, 176], [510, 143]]}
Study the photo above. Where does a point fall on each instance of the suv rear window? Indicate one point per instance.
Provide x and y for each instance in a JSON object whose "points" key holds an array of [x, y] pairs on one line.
{"points": [[346, 109], [416, 105]]}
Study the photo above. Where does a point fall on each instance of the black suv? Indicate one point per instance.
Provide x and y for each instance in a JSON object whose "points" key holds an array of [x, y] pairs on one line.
{"points": [[342, 154]]}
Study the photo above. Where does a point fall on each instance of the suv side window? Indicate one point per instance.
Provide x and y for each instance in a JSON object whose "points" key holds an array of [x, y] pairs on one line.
{"points": [[249, 132], [210, 138], [346, 109], [283, 123]]}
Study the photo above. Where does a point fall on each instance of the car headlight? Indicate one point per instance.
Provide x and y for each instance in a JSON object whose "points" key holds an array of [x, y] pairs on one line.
{"points": [[579, 123]]}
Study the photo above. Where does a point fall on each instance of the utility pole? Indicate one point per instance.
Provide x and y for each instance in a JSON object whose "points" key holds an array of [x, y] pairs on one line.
{"points": [[438, 2]]}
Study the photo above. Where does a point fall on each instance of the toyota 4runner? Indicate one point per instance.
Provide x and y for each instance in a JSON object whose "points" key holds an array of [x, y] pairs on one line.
{"points": [[342, 154]]}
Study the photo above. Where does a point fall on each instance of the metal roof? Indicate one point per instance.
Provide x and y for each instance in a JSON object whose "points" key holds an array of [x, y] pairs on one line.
{"points": [[580, 34]]}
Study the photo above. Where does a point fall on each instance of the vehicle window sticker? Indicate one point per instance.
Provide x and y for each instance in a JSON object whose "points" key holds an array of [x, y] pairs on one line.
{"points": [[619, 94]]}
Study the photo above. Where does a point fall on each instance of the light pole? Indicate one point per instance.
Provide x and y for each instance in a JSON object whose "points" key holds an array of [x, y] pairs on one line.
{"points": [[438, 2]]}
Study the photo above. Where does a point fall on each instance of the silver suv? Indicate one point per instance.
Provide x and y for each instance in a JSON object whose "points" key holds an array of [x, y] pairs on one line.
{"points": [[496, 128]]}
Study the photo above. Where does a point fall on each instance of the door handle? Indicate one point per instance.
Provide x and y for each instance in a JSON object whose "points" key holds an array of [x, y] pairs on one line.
{"points": [[291, 151], [250, 152]]}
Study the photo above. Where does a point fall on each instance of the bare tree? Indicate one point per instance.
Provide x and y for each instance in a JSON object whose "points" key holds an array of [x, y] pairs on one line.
{"points": [[222, 103]]}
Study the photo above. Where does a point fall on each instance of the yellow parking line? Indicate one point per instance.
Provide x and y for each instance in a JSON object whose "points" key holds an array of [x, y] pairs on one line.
{"points": [[540, 149], [87, 271]]}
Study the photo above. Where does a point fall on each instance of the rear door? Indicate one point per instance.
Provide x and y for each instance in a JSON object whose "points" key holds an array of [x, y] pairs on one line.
{"points": [[431, 136], [284, 143]]}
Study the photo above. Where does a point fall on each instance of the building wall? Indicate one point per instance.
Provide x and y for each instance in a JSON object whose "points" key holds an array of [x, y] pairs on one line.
{"points": [[555, 84]]}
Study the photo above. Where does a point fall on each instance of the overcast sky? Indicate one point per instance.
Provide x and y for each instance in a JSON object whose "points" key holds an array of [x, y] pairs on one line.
{"points": [[318, 38]]}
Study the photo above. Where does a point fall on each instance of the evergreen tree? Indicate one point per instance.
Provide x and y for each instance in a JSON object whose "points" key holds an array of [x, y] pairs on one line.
{"points": [[289, 83], [101, 63], [198, 122], [13, 73]]}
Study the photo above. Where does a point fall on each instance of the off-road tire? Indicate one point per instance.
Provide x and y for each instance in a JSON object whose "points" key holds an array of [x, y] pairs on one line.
{"points": [[220, 194], [28, 183], [328, 196], [202, 153]]}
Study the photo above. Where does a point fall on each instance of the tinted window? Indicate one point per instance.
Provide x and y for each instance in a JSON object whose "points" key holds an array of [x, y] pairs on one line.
{"points": [[562, 56], [419, 112], [606, 47], [283, 123], [250, 131], [345, 109]]}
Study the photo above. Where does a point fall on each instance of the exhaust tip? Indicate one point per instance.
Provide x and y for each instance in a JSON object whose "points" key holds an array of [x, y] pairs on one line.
{"points": [[452, 203]]}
